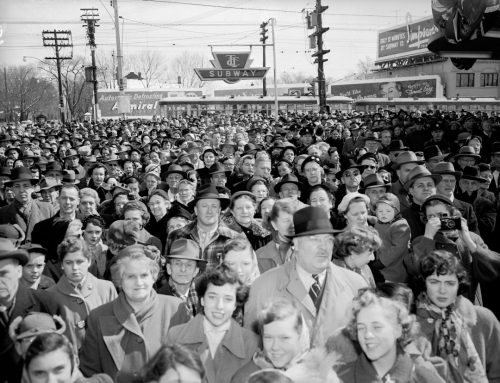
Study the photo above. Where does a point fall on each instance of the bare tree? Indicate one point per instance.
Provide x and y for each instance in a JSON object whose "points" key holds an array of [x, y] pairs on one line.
{"points": [[27, 93], [364, 68], [183, 66], [291, 78], [106, 75], [150, 64], [77, 92]]}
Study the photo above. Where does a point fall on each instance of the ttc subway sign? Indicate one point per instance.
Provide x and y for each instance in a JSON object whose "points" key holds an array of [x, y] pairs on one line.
{"points": [[230, 67]]}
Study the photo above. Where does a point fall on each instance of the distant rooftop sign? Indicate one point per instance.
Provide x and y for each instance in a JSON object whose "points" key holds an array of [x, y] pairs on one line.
{"points": [[409, 39]]}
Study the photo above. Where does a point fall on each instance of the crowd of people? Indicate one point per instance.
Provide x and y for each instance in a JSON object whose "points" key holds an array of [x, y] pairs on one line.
{"points": [[339, 247]]}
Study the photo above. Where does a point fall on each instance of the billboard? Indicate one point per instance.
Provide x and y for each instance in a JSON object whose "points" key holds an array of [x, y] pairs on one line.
{"points": [[405, 40], [389, 88], [143, 103]]}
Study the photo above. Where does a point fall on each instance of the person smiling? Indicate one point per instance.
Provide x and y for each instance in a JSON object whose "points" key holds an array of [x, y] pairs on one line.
{"points": [[223, 345], [382, 327]]}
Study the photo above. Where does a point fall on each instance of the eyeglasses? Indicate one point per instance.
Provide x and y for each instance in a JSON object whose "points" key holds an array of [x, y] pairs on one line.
{"points": [[370, 166]]}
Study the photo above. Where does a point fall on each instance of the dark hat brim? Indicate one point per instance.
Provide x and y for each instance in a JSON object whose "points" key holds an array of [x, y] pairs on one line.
{"points": [[473, 178], [224, 202], [457, 156], [19, 254], [449, 172], [386, 186], [313, 232], [396, 166], [187, 258], [33, 181], [278, 186], [339, 174]]}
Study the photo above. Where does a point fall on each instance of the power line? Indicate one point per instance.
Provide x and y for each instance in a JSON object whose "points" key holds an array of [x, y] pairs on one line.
{"points": [[222, 6]]}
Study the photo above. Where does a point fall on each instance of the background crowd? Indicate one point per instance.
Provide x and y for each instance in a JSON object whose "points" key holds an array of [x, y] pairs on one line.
{"points": [[357, 247]]}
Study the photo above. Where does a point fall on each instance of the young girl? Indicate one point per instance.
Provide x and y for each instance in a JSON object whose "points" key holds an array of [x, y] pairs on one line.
{"points": [[395, 234]]}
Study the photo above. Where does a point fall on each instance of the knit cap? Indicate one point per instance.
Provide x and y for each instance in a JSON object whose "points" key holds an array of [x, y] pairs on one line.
{"points": [[391, 200]]}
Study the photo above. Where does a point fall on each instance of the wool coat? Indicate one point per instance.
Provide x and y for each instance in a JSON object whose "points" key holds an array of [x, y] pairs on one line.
{"points": [[118, 345], [235, 350], [27, 300], [40, 211], [78, 304], [340, 287]]}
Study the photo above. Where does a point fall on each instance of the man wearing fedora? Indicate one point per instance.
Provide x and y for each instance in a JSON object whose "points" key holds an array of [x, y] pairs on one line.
{"points": [[207, 229], [17, 300], [420, 185], [24, 210], [323, 291], [484, 209], [466, 156], [404, 164], [353, 142], [183, 265], [374, 187], [447, 187], [350, 175], [71, 162]]}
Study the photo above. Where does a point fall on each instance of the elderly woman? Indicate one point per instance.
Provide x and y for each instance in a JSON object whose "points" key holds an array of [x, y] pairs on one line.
{"points": [[124, 334], [280, 222], [240, 258], [151, 181], [241, 219], [223, 345], [285, 339], [89, 201], [136, 211], [78, 290], [186, 191], [354, 249], [355, 207], [382, 327], [159, 205], [93, 227], [466, 336]]}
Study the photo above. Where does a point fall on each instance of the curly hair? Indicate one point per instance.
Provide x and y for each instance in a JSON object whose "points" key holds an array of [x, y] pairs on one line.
{"points": [[137, 205], [135, 253], [442, 262], [356, 240], [393, 310], [95, 220], [72, 245], [219, 276], [90, 193]]}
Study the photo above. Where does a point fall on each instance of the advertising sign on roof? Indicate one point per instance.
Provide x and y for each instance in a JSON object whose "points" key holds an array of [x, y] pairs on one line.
{"points": [[405, 40]]}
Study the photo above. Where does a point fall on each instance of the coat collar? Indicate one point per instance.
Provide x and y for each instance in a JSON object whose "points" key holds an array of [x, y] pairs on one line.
{"points": [[125, 315], [88, 286], [401, 371], [233, 340], [296, 288], [24, 302]]}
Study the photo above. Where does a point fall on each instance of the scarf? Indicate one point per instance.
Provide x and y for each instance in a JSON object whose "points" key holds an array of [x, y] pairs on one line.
{"points": [[454, 343], [24, 210], [144, 312]]}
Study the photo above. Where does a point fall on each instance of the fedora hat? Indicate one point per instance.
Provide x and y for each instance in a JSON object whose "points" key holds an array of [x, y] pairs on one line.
{"points": [[467, 151], [371, 136], [54, 166], [311, 220], [406, 157], [472, 173], [210, 192], [5, 171], [219, 168], [184, 248], [48, 183], [350, 164], [9, 251], [28, 154], [446, 168], [417, 172], [174, 168], [70, 153], [433, 152], [178, 210], [21, 174], [69, 177], [374, 181], [288, 179], [397, 146]]}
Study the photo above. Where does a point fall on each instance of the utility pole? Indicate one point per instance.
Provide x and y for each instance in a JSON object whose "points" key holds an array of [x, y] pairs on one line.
{"points": [[316, 21], [263, 39], [276, 107], [91, 17], [7, 100], [58, 40], [119, 55]]}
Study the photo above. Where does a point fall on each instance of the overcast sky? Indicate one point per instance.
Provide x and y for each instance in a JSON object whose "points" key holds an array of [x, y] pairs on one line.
{"points": [[172, 27]]}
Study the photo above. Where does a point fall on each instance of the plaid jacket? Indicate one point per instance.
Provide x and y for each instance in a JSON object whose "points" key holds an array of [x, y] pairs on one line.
{"points": [[214, 250]]}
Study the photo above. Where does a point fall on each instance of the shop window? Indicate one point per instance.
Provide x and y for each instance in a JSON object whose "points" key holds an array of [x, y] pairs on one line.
{"points": [[489, 79], [465, 80]]}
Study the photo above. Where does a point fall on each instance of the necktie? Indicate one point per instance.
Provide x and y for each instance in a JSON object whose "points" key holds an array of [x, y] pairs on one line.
{"points": [[315, 290]]}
